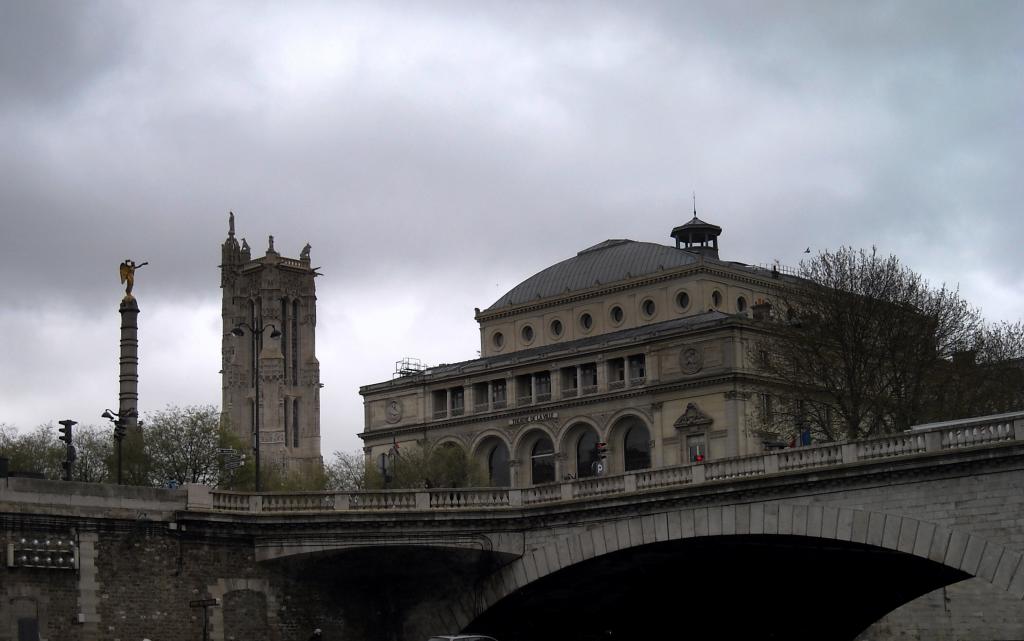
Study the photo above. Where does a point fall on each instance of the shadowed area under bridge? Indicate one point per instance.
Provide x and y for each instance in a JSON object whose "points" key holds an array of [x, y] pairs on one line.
{"points": [[743, 587]]}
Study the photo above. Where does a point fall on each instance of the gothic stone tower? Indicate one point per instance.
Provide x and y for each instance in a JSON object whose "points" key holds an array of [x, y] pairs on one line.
{"points": [[261, 292]]}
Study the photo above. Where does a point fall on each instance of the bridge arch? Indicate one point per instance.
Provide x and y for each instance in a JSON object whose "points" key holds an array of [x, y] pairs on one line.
{"points": [[964, 553]]}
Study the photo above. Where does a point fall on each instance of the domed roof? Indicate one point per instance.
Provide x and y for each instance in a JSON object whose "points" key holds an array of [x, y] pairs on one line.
{"points": [[607, 262]]}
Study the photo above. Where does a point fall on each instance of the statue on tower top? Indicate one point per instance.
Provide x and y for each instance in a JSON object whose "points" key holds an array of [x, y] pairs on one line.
{"points": [[231, 224], [128, 268]]}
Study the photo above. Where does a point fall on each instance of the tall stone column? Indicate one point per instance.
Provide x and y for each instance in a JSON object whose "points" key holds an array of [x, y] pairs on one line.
{"points": [[128, 395]]}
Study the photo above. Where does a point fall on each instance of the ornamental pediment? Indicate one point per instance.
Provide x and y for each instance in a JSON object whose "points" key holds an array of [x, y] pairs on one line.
{"points": [[692, 417]]}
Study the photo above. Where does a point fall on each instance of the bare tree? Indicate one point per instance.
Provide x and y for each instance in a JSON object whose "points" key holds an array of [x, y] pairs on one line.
{"points": [[346, 471], [864, 345]]}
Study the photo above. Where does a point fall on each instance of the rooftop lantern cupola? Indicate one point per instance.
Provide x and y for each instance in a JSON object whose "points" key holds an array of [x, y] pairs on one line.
{"points": [[698, 236]]}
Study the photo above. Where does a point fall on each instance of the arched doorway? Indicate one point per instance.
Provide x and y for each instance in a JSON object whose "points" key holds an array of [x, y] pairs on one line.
{"points": [[636, 443], [497, 465], [586, 454], [542, 461]]}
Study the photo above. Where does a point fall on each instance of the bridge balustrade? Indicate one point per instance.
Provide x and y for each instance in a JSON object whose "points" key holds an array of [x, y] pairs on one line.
{"points": [[664, 477], [977, 435], [934, 438], [598, 486], [891, 445], [456, 498], [731, 468], [802, 458]]}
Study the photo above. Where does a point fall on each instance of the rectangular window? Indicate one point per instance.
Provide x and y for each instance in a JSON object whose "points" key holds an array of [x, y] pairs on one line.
{"points": [[524, 389], [616, 370], [439, 402], [570, 384], [480, 397], [498, 392], [542, 386], [458, 400], [637, 368], [767, 409], [588, 373], [295, 422], [695, 449]]}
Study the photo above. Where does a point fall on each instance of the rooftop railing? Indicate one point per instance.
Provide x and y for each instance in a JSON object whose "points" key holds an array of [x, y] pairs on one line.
{"points": [[953, 435]]}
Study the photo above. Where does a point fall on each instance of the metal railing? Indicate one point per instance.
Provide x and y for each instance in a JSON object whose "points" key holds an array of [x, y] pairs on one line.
{"points": [[950, 436]]}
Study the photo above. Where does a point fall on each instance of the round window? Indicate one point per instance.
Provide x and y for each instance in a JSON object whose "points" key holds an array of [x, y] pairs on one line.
{"points": [[498, 339], [741, 304], [527, 333], [586, 321], [617, 314], [556, 328], [716, 299], [648, 308], [683, 300]]}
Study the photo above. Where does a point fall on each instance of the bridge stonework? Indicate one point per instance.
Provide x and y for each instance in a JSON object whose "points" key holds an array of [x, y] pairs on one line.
{"points": [[938, 513]]}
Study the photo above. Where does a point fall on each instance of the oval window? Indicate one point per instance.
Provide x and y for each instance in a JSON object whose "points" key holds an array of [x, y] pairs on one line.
{"points": [[527, 333], [498, 339], [648, 308], [586, 321], [617, 314], [556, 328], [683, 300]]}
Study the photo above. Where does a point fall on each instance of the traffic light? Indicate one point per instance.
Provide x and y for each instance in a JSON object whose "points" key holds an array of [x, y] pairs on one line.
{"points": [[602, 450], [65, 430]]}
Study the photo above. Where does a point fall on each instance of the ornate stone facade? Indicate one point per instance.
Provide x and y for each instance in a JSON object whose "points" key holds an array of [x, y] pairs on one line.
{"points": [[617, 345], [278, 295]]}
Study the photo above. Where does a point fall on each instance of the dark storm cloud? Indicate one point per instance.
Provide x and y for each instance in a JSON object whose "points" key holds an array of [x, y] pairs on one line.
{"points": [[50, 52], [438, 154]]}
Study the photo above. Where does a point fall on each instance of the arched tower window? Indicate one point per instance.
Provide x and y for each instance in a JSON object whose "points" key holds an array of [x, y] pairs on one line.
{"points": [[295, 342], [285, 330], [542, 461], [497, 466], [636, 445], [586, 454]]}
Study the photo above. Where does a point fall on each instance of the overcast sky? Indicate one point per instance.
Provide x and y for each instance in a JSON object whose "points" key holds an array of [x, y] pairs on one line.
{"points": [[436, 154]]}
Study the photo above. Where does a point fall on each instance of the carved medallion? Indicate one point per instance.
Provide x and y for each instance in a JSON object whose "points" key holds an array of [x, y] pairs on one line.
{"points": [[393, 411], [690, 360]]}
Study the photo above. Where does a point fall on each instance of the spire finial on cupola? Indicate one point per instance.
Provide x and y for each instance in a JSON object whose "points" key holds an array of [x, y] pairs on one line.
{"points": [[697, 236]]}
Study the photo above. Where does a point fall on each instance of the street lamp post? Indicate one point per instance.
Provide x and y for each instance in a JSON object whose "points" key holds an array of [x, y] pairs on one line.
{"points": [[120, 423], [256, 332]]}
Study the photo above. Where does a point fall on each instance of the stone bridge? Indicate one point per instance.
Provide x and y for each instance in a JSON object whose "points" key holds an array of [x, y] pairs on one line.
{"points": [[916, 535]]}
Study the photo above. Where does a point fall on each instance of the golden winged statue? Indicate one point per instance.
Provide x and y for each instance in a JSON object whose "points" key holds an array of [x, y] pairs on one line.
{"points": [[128, 268]]}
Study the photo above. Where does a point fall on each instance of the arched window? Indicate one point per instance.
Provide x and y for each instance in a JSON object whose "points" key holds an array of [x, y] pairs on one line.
{"points": [[586, 454], [636, 446], [295, 341], [542, 461], [497, 466]]}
